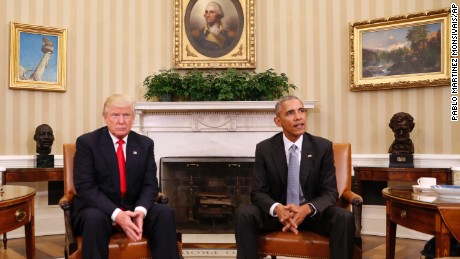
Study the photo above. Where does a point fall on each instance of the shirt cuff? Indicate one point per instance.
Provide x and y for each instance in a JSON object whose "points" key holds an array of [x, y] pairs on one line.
{"points": [[314, 210], [140, 208], [272, 209], [115, 213]]}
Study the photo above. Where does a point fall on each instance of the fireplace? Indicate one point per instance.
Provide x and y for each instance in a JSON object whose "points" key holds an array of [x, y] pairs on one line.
{"points": [[205, 191]]}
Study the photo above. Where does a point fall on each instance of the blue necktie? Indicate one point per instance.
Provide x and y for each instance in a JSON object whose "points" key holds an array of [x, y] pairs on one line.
{"points": [[293, 186]]}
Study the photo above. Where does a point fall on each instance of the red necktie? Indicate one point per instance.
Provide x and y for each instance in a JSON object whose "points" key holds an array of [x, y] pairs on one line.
{"points": [[122, 167]]}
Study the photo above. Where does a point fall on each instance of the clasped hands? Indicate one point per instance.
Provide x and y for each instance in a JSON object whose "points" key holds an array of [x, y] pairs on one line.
{"points": [[131, 222], [291, 216]]}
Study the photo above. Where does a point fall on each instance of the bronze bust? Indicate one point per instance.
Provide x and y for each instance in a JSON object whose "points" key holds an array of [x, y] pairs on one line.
{"points": [[402, 124], [44, 138]]}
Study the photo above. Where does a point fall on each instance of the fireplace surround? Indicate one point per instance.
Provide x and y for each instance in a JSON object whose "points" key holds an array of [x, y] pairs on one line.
{"points": [[206, 128], [205, 152]]}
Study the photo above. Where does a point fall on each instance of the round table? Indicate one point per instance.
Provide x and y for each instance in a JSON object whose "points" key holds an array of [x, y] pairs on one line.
{"points": [[17, 210], [421, 211]]}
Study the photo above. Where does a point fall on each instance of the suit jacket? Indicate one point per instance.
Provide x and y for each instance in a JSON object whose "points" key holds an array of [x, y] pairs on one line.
{"points": [[97, 178], [317, 173]]}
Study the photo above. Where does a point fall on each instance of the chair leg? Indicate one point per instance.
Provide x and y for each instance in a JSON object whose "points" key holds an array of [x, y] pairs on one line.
{"points": [[273, 256], [5, 240]]}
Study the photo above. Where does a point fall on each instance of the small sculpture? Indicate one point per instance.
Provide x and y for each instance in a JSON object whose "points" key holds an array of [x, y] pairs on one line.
{"points": [[402, 125], [402, 148], [44, 138]]}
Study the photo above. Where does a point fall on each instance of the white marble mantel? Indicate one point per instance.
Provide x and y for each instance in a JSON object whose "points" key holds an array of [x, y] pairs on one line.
{"points": [[207, 128], [213, 106], [206, 116]]}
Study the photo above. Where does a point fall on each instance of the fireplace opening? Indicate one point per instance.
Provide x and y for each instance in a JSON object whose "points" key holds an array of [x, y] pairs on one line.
{"points": [[204, 192]]}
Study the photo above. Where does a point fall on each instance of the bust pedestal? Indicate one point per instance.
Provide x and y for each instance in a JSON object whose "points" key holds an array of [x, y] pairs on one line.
{"points": [[402, 160], [45, 161]]}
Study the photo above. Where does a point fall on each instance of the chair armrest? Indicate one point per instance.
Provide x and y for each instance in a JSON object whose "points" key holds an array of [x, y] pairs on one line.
{"points": [[352, 198], [162, 198], [65, 203], [356, 202]]}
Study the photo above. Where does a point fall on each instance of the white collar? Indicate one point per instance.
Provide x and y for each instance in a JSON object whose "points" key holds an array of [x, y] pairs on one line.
{"points": [[288, 143], [115, 139]]}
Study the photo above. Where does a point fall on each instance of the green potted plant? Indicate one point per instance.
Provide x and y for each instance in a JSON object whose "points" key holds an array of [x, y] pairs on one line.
{"points": [[196, 85], [225, 85], [232, 85], [268, 85], [165, 85]]}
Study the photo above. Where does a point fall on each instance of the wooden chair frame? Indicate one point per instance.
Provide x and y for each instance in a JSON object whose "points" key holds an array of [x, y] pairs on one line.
{"points": [[120, 246]]}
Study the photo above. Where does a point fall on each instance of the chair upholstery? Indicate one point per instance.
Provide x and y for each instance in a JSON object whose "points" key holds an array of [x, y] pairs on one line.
{"points": [[308, 244], [120, 246]]}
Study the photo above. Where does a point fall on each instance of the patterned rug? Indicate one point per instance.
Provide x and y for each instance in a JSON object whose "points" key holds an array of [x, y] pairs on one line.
{"points": [[209, 253]]}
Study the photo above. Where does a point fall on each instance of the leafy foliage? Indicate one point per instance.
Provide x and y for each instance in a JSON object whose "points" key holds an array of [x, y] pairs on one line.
{"points": [[165, 85], [226, 85]]}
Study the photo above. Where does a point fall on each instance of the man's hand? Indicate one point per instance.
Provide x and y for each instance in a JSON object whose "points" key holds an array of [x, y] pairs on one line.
{"points": [[300, 212], [285, 216], [131, 223], [139, 221], [291, 216]]}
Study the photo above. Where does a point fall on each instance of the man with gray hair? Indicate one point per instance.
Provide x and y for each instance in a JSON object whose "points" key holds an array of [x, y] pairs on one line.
{"points": [[295, 188]]}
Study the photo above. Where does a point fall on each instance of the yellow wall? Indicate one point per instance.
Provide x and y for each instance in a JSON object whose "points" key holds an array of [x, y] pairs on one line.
{"points": [[114, 44]]}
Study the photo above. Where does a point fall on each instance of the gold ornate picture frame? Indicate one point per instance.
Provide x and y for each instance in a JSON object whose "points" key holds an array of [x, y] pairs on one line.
{"points": [[37, 57], [403, 51], [230, 45]]}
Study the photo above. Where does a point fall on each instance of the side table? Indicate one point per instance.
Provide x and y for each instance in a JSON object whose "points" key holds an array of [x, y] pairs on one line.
{"points": [[12, 175], [33, 174], [17, 210], [385, 174], [408, 209]]}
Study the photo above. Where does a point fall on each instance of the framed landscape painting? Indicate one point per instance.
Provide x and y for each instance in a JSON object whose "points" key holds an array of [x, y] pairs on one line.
{"points": [[400, 52], [37, 57], [214, 34]]}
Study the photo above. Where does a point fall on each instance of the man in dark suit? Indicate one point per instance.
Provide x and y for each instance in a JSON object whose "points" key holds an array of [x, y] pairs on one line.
{"points": [[317, 194], [108, 201]]}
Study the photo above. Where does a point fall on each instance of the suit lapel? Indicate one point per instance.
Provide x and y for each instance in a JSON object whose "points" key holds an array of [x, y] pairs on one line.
{"points": [[132, 154], [110, 156], [306, 159], [279, 157]]}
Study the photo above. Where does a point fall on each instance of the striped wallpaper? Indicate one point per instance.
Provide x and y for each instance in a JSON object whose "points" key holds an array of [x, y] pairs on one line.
{"points": [[114, 44]]}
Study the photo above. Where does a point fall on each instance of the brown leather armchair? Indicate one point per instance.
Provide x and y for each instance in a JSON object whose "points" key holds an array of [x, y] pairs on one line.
{"points": [[120, 246], [308, 244]]}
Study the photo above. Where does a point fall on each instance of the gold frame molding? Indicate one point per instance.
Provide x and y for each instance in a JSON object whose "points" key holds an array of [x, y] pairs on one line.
{"points": [[18, 79], [356, 30], [240, 54]]}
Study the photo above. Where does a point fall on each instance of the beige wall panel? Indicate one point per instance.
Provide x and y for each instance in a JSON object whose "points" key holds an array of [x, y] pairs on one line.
{"points": [[113, 45]]}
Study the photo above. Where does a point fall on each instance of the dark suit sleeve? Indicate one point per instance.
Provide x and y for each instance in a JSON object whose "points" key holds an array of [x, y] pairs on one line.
{"points": [[148, 183], [87, 178], [321, 187], [260, 194], [269, 169]]}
